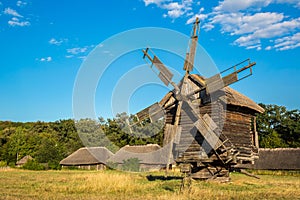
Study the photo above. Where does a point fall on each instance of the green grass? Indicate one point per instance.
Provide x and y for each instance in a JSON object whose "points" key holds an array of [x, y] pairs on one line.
{"points": [[75, 184]]}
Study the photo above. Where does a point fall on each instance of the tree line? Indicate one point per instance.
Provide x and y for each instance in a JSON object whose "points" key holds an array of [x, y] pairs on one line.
{"points": [[50, 142]]}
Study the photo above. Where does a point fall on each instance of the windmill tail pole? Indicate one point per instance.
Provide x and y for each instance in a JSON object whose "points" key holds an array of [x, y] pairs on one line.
{"points": [[251, 64], [249, 174]]}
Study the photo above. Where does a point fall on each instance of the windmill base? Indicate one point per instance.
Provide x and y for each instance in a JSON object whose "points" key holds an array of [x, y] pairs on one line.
{"points": [[220, 174]]}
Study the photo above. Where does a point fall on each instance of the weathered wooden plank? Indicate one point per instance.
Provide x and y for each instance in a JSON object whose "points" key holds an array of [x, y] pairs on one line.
{"points": [[170, 133], [143, 114], [208, 134], [210, 122], [229, 79], [178, 130], [155, 112], [214, 86], [165, 73], [212, 79]]}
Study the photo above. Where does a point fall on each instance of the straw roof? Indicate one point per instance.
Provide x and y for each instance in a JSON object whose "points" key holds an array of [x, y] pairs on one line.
{"points": [[147, 154], [280, 158], [24, 160], [235, 98], [87, 156]]}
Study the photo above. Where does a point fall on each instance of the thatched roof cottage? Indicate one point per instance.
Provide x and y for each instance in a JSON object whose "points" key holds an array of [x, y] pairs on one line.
{"points": [[88, 158], [151, 156], [278, 159], [23, 160]]}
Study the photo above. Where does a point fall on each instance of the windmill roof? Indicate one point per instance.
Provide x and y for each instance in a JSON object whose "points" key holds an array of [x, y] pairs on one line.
{"points": [[88, 155], [231, 97], [236, 98], [147, 154]]}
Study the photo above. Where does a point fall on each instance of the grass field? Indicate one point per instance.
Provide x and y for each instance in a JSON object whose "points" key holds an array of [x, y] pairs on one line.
{"points": [[73, 184]]}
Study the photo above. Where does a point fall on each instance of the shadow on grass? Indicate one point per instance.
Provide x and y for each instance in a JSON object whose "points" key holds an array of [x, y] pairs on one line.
{"points": [[163, 178]]}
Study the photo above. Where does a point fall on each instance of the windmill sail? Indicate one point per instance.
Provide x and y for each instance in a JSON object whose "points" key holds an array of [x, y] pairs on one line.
{"points": [[153, 112], [190, 56], [163, 72], [240, 72]]}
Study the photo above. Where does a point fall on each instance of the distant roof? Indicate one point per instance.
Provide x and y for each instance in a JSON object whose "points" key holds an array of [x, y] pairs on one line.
{"points": [[279, 158], [88, 155], [147, 154], [24, 160]]}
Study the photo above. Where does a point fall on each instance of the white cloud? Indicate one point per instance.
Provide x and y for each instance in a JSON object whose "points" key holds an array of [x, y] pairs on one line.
{"points": [[257, 47], [82, 57], [77, 50], [46, 59], [175, 13], [69, 56], [269, 31], [174, 9], [296, 3], [17, 19], [80, 52], [56, 42], [250, 23], [268, 48], [278, 29], [239, 23], [173, 6], [289, 42], [17, 22], [157, 2], [245, 20], [21, 3], [9, 11], [238, 5], [193, 19]]}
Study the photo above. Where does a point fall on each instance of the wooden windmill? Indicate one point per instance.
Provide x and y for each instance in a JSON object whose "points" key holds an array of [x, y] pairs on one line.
{"points": [[194, 137]]}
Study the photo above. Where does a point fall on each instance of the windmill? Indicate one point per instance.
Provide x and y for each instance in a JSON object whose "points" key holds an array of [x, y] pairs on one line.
{"points": [[188, 123]]}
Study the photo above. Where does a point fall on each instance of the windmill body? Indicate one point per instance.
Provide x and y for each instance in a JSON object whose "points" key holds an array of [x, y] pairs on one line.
{"points": [[209, 127]]}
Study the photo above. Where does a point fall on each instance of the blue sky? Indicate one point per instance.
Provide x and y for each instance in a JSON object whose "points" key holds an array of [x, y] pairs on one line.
{"points": [[44, 43]]}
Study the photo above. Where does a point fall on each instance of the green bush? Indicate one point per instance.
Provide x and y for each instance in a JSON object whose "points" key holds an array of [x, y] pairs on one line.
{"points": [[54, 165], [33, 165], [131, 164], [12, 164], [3, 164], [112, 165]]}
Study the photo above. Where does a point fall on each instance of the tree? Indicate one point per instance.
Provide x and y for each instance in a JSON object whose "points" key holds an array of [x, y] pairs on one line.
{"points": [[278, 127], [92, 135]]}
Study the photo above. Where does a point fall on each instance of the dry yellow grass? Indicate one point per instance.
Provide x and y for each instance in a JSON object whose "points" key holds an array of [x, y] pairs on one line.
{"points": [[20, 184]]}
